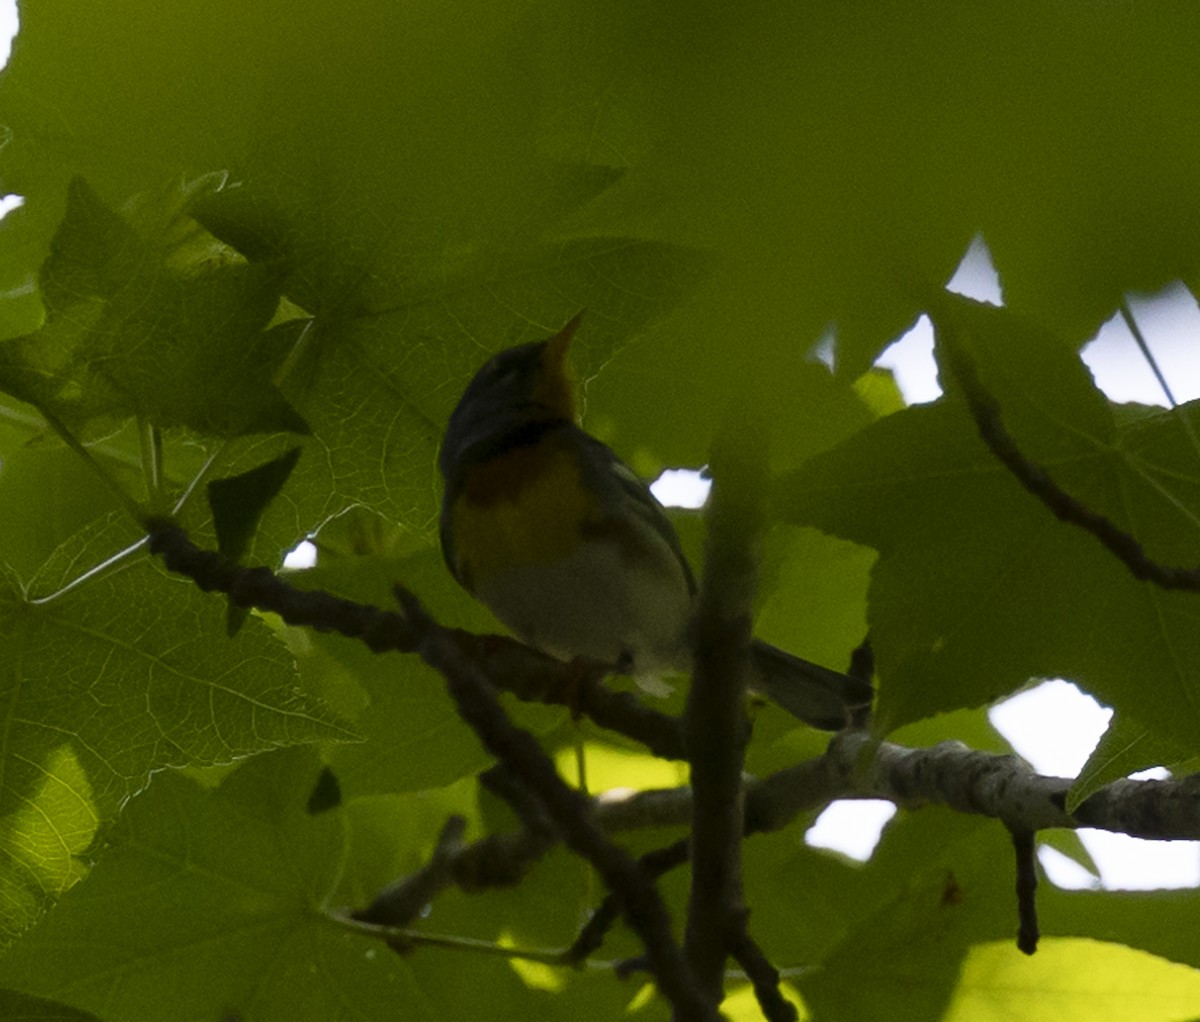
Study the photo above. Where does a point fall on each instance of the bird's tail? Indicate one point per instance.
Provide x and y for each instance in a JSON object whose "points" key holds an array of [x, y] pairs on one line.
{"points": [[816, 695]]}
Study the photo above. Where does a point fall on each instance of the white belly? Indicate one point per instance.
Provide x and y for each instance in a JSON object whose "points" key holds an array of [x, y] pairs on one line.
{"points": [[594, 604]]}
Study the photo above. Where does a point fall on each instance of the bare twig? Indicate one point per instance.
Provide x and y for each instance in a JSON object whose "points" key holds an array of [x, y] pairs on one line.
{"points": [[401, 903], [591, 936], [715, 722], [531, 676], [1026, 855], [764, 977], [520, 753]]}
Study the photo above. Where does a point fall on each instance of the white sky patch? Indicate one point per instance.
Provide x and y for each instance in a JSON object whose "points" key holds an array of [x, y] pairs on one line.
{"points": [[825, 350], [1169, 321], [1134, 864], [851, 827], [8, 28], [910, 357], [911, 361], [1055, 727], [976, 276], [1063, 871], [303, 555], [1036, 722], [681, 487]]}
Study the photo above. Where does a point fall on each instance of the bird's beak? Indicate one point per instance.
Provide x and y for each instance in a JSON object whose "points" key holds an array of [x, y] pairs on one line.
{"points": [[556, 385], [557, 346]]}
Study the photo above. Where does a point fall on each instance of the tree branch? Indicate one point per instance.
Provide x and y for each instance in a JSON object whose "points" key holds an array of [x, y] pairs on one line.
{"points": [[531, 676], [950, 774], [854, 766], [715, 722], [456, 657], [570, 810], [1025, 852], [1007, 788]]}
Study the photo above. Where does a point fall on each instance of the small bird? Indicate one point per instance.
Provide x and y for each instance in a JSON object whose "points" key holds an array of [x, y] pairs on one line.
{"points": [[546, 526]]}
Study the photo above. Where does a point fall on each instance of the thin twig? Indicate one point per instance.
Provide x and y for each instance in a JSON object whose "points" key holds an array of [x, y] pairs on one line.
{"points": [[641, 902], [764, 977], [1140, 340], [591, 936], [715, 720], [404, 939], [121, 559], [150, 446], [197, 479], [1025, 852]]}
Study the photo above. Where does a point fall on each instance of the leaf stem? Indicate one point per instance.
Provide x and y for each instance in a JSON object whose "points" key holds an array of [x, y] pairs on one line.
{"points": [[119, 560], [131, 506], [150, 442], [1140, 339], [198, 478], [293, 357], [402, 936]]}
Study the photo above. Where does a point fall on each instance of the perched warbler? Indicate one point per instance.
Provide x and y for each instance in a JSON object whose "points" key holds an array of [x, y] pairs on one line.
{"points": [[556, 535]]}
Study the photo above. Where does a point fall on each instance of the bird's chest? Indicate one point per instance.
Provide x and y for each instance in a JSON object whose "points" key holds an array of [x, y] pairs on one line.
{"points": [[566, 575], [525, 507]]}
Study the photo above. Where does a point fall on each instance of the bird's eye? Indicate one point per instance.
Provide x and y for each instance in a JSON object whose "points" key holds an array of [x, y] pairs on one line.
{"points": [[504, 375]]}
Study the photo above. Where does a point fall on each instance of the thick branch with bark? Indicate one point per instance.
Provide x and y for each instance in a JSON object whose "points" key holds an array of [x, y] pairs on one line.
{"points": [[1007, 788], [531, 676], [471, 687], [855, 765]]}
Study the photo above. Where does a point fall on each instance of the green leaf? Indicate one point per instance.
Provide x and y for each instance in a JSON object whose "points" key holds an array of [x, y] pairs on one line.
{"points": [[210, 923], [1073, 981], [1126, 747], [219, 898], [905, 943], [1151, 921], [23, 1008], [868, 944], [106, 683], [1047, 397], [238, 502], [135, 325], [93, 252], [47, 494], [978, 587], [414, 737]]}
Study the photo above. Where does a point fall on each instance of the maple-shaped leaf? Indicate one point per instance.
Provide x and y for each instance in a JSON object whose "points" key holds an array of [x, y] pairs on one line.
{"points": [[106, 683], [221, 899], [979, 587], [130, 331]]}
